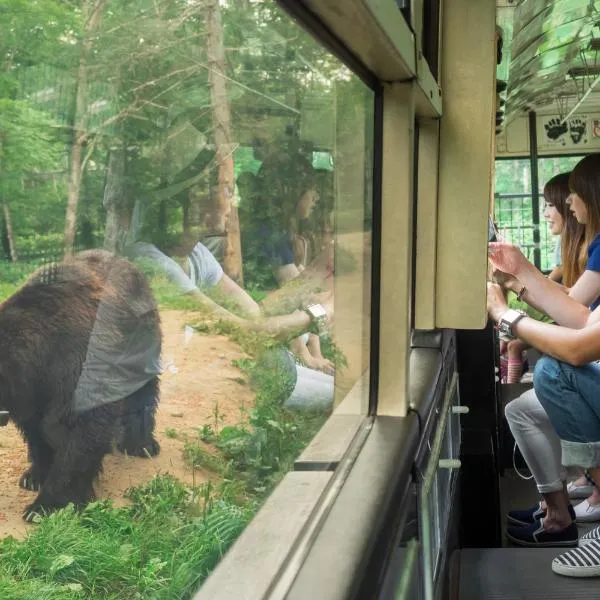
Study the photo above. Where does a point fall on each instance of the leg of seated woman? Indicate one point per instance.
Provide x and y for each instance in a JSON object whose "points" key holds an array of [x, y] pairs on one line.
{"points": [[515, 360], [538, 441], [540, 446], [571, 397], [313, 391]]}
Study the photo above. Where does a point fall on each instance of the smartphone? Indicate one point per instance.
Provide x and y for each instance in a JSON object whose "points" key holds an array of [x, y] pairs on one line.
{"points": [[492, 231]]}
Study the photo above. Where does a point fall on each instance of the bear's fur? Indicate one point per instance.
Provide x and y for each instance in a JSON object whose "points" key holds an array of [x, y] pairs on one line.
{"points": [[79, 364]]}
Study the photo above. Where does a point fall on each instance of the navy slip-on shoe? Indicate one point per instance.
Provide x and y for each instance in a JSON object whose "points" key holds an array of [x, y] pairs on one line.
{"points": [[529, 516], [535, 536]]}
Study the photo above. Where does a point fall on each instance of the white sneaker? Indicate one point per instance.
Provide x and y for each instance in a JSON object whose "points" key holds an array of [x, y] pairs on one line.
{"points": [[586, 512], [579, 491]]}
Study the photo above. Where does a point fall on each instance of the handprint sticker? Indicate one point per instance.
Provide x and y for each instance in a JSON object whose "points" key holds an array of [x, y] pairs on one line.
{"points": [[555, 129], [577, 129]]}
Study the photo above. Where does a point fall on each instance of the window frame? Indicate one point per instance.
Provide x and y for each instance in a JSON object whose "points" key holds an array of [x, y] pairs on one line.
{"points": [[347, 447]]}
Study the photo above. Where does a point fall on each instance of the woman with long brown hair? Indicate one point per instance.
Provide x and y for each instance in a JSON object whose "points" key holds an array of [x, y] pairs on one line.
{"points": [[561, 221], [551, 523], [570, 260], [584, 203]]}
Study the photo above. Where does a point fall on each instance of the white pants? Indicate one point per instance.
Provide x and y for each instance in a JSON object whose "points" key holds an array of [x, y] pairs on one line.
{"points": [[538, 441], [313, 391]]}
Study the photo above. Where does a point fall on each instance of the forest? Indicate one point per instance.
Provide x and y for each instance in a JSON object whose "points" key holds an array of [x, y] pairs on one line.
{"points": [[107, 103], [150, 120]]}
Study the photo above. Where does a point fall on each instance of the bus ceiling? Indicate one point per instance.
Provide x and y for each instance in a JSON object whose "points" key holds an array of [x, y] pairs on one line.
{"points": [[550, 58]]}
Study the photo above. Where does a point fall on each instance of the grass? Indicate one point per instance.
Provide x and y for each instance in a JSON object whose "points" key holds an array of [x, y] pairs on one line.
{"points": [[7, 289], [12, 278], [259, 451], [162, 546]]}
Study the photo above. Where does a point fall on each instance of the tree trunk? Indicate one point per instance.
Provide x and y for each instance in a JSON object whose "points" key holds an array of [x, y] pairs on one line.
{"points": [[163, 217], [9, 232], [232, 257], [92, 11], [185, 208], [117, 211]]}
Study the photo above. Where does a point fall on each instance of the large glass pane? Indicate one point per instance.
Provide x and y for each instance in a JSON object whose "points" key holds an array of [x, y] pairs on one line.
{"points": [[223, 159], [512, 204]]}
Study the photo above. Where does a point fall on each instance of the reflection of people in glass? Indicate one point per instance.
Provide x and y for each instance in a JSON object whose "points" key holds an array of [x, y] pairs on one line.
{"points": [[279, 237], [275, 217], [304, 388]]}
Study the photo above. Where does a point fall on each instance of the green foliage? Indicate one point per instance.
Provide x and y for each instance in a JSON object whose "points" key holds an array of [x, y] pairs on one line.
{"points": [[250, 342], [198, 456], [146, 95], [6, 289], [12, 276], [167, 296], [259, 451], [514, 215], [333, 353], [263, 447], [147, 92], [161, 546], [27, 143], [206, 434], [171, 433]]}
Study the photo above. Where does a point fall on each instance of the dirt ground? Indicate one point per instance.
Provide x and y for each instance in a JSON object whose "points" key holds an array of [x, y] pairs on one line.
{"points": [[199, 385]]}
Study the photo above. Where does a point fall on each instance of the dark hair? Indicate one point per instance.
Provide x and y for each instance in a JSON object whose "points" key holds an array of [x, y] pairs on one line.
{"points": [[556, 192], [585, 182], [280, 183]]}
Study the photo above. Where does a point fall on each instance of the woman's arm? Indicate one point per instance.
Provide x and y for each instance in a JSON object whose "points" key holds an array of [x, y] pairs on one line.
{"points": [[280, 326], [508, 282], [556, 274], [238, 295], [587, 288], [541, 293], [575, 346], [286, 273], [546, 295]]}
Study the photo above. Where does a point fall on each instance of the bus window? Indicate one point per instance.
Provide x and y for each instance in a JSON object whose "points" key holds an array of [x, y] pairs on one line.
{"points": [[512, 206], [190, 184]]}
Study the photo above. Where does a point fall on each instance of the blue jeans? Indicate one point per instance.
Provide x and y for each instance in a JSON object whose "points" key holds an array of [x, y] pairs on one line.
{"points": [[571, 397]]}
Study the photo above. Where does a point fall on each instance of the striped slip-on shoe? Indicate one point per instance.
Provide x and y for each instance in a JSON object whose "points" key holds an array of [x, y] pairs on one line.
{"points": [[579, 562]]}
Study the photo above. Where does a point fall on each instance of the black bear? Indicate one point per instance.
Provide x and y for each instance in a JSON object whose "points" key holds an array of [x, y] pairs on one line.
{"points": [[79, 363]]}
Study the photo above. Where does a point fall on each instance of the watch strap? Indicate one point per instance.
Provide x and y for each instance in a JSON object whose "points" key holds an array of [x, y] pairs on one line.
{"points": [[508, 320]]}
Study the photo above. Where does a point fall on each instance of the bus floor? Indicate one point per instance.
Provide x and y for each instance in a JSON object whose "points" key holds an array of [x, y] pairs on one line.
{"points": [[513, 572]]}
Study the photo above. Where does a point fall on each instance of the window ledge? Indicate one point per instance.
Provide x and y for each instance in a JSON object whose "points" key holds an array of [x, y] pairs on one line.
{"points": [[253, 562]]}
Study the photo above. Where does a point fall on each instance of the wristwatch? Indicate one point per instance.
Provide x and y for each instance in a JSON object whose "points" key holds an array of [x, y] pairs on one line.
{"points": [[508, 320], [318, 314]]}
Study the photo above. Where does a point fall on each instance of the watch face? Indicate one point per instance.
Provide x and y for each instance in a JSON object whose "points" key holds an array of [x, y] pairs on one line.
{"points": [[317, 311]]}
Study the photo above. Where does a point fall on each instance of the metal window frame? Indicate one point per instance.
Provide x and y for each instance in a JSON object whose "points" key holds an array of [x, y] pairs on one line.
{"points": [[373, 39]]}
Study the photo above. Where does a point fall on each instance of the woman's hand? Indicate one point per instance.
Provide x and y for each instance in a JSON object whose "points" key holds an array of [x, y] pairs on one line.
{"points": [[506, 257], [321, 364], [496, 303], [321, 298], [506, 281]]}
